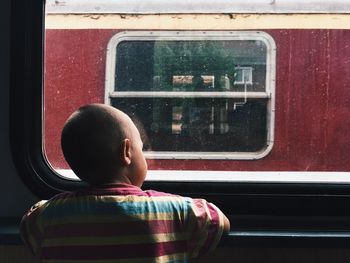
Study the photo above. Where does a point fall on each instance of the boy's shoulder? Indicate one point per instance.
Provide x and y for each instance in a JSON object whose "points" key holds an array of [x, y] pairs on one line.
{"points": [[119, 193]]}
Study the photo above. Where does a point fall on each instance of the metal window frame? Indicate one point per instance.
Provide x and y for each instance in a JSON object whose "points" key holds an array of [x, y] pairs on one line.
{"points": [[191, 36]]}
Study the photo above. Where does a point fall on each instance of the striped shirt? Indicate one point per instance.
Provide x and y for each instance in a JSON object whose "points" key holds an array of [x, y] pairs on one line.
{"points": [[121, 223]]}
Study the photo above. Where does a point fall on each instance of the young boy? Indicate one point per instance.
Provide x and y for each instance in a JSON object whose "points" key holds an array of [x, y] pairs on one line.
{"points": [[114, 220]]}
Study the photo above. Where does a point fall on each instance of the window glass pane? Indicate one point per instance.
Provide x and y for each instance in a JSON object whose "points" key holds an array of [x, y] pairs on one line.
{"points": [[212, 80], [190, 65], [198, 124]]}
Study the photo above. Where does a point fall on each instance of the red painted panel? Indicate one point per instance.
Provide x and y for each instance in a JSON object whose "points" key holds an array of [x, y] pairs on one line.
{"points": [[74, 76], [312, 105]]}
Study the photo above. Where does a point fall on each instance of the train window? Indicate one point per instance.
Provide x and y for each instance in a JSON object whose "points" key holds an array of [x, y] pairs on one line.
{"points": [[205, 95], [199, 80], [205, 89], [201, 88]]}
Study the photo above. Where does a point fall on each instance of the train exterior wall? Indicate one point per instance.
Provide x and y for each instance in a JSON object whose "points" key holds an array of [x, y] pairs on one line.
{"points": [[312, 97]]}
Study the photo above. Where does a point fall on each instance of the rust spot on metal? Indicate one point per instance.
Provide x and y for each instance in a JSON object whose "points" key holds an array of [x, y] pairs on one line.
{"points": [[94, 17], [60, 3], [128, 16], [176, 17]]}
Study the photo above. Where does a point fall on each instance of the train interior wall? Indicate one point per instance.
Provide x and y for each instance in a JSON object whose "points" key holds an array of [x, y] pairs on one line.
{"points": [[16, 198], [19, 254]]}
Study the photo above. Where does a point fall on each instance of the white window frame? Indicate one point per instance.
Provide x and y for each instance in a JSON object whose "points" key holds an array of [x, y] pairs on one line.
{"points": [[269, 92]]}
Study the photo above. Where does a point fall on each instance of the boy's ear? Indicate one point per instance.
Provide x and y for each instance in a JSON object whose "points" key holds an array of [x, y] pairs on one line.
{"points": [[126, 152]]}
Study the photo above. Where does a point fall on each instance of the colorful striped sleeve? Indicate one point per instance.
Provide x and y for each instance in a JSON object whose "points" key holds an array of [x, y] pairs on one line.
{"points": [[206, 225]]}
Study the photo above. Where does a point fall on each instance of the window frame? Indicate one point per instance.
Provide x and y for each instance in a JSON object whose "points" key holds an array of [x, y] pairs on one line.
{"points": [[269, 93]]}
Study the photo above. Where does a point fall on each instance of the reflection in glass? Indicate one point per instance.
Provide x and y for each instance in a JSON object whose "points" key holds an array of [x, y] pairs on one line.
{"points": [[198, 124], [190, 65]]}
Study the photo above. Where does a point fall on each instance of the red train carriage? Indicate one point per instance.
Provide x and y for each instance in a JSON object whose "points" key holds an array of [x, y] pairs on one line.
{"points": [[226, 89]]}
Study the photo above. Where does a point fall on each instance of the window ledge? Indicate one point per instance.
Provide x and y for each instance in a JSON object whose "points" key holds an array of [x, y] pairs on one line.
{"points": [[281, 238], [9, 235]]}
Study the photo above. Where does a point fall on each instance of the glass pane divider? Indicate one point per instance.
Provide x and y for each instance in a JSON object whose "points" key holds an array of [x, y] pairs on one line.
{"points": [[188, 94]]}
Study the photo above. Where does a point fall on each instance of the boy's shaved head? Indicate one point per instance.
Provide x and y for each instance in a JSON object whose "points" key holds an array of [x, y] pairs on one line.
{"points": [[91, 142]]}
